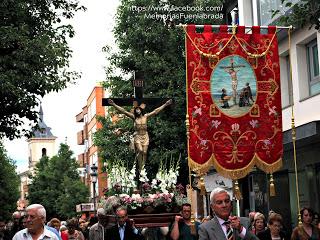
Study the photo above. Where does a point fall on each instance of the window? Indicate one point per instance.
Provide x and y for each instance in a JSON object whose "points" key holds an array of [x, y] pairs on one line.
{"points": [[286, 83], [313, 67], [265, 7], [92, 110], [44, 152], [289, 80]]}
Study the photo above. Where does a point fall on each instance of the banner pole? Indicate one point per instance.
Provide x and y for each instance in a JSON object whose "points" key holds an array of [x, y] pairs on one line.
{"points": [[190, 189], [231, 26], [293, 132]]}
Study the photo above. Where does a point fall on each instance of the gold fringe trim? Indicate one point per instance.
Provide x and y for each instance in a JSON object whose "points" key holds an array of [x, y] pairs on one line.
{"points": [[202, 169], [234, 174], [269, 168]]}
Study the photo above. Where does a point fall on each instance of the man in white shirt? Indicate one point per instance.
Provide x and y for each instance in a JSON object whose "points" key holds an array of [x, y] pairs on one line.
{"points": [[36, 217], [223, 225]]}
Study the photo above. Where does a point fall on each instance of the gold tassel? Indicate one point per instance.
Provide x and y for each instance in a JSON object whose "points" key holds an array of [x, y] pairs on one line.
{"points": [[272, 188], [202, 187], [193, 227], [236, 191]]}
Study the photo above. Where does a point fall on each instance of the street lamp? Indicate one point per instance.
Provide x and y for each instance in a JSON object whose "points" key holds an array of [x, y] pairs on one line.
{"points": [[94, 176]]}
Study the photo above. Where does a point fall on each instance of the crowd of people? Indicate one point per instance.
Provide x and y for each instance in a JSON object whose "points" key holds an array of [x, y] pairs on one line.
{"points": [[222, 225]]}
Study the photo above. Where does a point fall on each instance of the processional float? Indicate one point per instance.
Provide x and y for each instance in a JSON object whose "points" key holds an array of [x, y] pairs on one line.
{"points": [[233, 97]]}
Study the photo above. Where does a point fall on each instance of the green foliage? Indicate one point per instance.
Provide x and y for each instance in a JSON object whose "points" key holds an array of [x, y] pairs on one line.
{"points": [[304, 13], [156, 48], [9, 185], [57, 186], [34, 57], [113, 141]]}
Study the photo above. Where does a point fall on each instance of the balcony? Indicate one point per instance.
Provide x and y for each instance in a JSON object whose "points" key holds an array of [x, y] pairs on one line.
{"points": [[80, 138]]}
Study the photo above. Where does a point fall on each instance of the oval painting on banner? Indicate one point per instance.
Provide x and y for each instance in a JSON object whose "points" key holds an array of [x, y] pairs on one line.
{"points": [[233, 86]]}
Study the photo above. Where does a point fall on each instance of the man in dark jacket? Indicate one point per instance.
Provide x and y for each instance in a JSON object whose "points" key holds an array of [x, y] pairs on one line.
{"points": [[124, 229], [223, 225]]}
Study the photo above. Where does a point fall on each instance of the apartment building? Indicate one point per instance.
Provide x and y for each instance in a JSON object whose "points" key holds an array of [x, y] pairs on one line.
{"points": [[90, 154]]}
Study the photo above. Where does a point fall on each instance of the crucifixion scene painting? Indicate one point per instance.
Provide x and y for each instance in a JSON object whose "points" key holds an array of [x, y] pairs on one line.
{"points": [[233, 86]]}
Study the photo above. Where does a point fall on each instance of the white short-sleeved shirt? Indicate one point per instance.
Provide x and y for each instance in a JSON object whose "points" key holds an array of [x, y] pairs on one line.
{"points": [[25, 235]]}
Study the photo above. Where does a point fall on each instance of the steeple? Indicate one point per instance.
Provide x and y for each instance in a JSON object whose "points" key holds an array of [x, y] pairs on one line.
{"points": [[41, 114], [42, 142], [43, 131]]}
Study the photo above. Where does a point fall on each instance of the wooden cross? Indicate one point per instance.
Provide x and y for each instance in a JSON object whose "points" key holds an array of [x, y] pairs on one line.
{"points": [[138, 85]]}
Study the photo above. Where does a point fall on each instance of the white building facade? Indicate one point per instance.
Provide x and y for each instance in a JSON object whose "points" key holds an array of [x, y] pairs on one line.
{"points": [[300, 96]]}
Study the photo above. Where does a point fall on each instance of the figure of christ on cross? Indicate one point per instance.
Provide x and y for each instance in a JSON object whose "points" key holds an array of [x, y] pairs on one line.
{"points": [[140, 136], [234, 80]]}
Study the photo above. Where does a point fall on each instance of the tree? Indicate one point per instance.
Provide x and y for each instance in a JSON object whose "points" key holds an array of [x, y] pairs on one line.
{"points": [[57, 186], [34, 57], [303, 13], [151, 45], [9, 185]]}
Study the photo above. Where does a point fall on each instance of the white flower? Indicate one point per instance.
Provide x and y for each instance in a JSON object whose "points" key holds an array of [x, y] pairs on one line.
{"points": [[266, 142], [123, 195], [143, 175], [215, 123], [203, 142], [273, 111], [197, 111], [254, 123], [235, 127], [135, 196]]}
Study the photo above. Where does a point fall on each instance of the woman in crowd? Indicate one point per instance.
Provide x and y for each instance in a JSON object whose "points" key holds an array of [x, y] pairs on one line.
{"points": [[306, 231], [273, 232], [316, 220], [259, 223], [74, 234]]}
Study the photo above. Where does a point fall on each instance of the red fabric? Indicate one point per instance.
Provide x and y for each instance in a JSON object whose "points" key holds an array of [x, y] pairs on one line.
{"points": [[233, 142], [64, 236]]}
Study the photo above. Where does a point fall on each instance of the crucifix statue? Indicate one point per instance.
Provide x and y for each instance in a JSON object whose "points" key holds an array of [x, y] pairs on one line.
{"points": [[234, 80], [140, 136]]}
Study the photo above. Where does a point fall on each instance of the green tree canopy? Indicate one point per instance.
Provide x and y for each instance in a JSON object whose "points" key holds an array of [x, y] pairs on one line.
{"points": [[303, 13], [155, 47], [9, 185], [57, 186], [34, 57]]}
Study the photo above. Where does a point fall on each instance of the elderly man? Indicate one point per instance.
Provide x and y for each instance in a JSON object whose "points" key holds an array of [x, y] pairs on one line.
{"points": [[223, 225], [36, 217], [124, 229], [16, 226], [97, 230]]}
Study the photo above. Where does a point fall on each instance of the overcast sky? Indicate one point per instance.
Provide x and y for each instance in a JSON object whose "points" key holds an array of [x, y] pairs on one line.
{"points": [[93, 31]]}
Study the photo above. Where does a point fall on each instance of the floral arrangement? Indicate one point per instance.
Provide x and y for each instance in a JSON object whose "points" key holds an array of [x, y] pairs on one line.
{"points": [[162, 194]]}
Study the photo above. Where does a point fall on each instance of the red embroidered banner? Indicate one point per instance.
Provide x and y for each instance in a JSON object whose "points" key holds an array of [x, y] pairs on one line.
{"points": [[234, 101]]}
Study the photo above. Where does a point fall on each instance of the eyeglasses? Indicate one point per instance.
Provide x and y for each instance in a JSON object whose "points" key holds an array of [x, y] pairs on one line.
{"points": [[219, 202]]}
